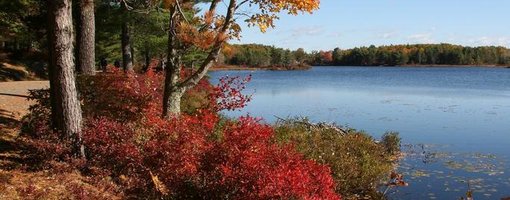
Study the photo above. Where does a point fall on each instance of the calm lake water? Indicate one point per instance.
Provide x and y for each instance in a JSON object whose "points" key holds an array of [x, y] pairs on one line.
{"points": [[455, 122]]}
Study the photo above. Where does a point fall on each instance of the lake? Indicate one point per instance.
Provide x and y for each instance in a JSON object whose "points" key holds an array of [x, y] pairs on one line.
{"points": [[454, 122]]}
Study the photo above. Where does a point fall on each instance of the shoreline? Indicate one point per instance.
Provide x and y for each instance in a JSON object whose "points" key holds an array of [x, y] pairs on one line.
{"points": [[424, 66], [269, 68], [466, 66], [241, 68]]}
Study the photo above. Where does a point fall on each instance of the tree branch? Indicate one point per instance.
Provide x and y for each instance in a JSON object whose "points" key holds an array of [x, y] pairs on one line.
{"points": [[240, 4], [214, 3], [213, 54], [171, 36], [126, 5], [180, 11]]}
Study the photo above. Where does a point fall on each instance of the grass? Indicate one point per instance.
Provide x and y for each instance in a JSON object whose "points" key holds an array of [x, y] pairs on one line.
{"points": [[359, 163]]}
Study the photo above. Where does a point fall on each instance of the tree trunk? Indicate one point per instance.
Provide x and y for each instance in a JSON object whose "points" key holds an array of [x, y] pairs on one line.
{"points": [[127, 58], [147, 59], [162, 60], [172, 101], [172, 92], [64, 95], [86, 38], [56, 109], [133, 57], [174, 86]]}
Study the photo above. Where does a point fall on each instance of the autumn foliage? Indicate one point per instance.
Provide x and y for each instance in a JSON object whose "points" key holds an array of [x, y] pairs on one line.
{"points": [[198, 155], [269, 10]]}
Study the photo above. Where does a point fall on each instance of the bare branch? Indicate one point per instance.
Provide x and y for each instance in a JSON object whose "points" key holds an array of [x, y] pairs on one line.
{"points": [[243, 14], [180, 11], [240, 4], [126, 5]]}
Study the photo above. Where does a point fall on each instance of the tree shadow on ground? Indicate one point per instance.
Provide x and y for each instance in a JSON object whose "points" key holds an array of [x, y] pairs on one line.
{"points": [[7, 119], [13, 95], [17, 66], [12, 74], [9, 149], [16, 148]]}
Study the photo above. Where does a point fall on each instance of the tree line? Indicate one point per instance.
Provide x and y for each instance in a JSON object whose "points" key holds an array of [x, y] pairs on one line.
{"points": [[256, 55], [422, 54]]}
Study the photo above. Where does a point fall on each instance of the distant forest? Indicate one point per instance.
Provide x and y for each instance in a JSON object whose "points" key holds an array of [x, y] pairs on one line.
{"points": [[255, 55]]}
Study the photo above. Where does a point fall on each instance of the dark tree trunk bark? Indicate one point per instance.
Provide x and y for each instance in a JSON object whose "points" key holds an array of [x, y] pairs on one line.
{"points": [[56, 109], [64, 97], [127, 57], [86, 38], [147, 59]]}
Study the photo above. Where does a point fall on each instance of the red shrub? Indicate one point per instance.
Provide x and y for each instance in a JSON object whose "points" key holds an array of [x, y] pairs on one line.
{"points": [[43, 142], [228, 95], [110, 142], [113, 150], [242, 164], [176, 147], [120, 96], [246, 165], [192, 156]]}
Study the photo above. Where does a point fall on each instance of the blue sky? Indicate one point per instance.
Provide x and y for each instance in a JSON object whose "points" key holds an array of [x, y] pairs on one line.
{"points": [[354, 23]]}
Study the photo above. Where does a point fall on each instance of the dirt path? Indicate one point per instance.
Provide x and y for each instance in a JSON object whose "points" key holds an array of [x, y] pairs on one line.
{"points": [[13, 97]]}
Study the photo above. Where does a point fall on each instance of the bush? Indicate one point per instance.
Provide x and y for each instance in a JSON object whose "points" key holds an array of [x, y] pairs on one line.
{"points": [[194, 156], [245, 164], [37, 135], [129, 96], [357, 162], [391, 142], [180, 159], [120, 96]]}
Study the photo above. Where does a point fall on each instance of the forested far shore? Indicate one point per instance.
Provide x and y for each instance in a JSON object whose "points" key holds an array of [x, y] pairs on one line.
{"points": [[256, 55]]}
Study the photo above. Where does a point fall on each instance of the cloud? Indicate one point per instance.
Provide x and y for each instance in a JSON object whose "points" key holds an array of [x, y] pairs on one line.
{"points": [[307, 31], [335, 34], [388, 35], [490, 41], [421, 38]]}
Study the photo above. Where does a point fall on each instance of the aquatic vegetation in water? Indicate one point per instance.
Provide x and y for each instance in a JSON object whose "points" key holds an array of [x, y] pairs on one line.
{"points": [[452, 171]]}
